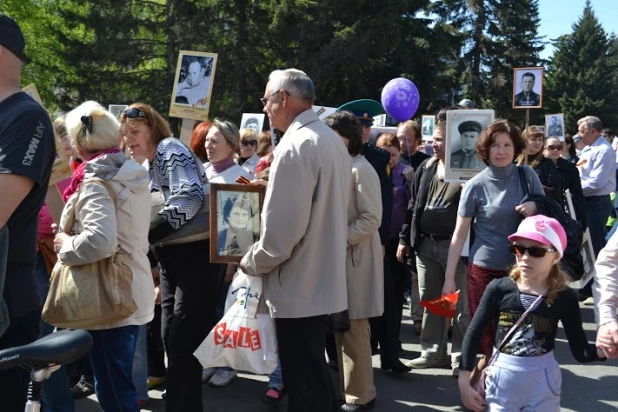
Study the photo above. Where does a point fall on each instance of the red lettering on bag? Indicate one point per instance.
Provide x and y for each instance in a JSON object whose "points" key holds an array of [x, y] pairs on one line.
{"points": [[255, 340], [230, 339], [244, 338], [219, 334]]}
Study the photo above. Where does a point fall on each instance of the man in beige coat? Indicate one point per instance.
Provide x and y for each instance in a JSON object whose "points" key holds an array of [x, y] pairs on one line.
{"points": [[364, 269], [302, 249]]}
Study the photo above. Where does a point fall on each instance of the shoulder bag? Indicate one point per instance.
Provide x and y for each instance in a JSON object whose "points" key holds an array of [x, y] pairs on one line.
{"points": [[198, 227], [94, 294]]}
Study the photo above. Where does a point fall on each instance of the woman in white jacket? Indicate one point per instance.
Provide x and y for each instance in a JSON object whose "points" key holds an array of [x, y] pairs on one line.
{"points": [[101, 228]]}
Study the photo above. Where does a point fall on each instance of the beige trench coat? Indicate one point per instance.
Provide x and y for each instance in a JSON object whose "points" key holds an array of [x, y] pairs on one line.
{"points": [[364, 263], [302, 248]]}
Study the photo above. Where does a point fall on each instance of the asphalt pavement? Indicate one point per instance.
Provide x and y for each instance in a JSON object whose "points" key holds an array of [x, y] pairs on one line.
{"points": [[585, 388]]}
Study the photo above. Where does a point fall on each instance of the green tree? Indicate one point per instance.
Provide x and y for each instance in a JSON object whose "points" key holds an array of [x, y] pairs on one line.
{"points": [[581, 78]]}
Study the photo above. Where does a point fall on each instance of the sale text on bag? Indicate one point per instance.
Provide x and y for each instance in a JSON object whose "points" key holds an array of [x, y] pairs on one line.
{"points": [[243, 338]]}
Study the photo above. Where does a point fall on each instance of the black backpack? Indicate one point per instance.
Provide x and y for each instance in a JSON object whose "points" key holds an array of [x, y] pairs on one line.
{"points": [[572, 263]]}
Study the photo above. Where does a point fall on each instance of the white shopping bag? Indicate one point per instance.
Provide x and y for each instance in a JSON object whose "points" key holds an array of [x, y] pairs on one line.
{"points": [[243, 339]]}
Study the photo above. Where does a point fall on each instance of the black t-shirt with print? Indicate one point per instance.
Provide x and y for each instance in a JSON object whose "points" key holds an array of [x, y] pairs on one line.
{"points": [[27, 148], [536, 335]]}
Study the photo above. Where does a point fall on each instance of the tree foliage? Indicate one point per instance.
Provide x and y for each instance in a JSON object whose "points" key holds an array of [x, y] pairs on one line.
{"points": [[120, 52]]}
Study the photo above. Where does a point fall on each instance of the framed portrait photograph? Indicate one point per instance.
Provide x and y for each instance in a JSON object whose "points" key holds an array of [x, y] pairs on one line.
{"points": [[116, 109], [528, 88], [253, 121], [235, 219], [463, 130], [554, 125], [195, 75], [427, 124]]}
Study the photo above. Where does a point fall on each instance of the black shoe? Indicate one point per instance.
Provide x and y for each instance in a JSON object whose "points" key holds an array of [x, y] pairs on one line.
{"points": [[83, 389], [350, 407], [397, 369]]}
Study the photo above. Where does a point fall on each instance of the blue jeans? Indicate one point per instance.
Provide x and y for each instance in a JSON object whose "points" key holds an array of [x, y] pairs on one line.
{"points": [[140, 364], [112, 363], [57, 396], [276, 379]]}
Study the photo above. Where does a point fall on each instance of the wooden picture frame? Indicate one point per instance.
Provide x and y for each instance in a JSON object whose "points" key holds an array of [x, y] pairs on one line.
{"points": [[534, 100], [193, 82], [229, 245]]}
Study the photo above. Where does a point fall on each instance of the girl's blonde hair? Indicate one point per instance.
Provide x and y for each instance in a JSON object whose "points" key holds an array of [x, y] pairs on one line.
{"points": [[556, 281]]}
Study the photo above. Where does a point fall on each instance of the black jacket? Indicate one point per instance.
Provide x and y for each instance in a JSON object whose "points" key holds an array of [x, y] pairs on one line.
{"points": [[420, 190], [572, 181], [551, 180]]}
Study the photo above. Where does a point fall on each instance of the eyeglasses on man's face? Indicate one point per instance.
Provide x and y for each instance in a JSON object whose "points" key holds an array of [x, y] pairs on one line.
{"points": [[266, 99]]}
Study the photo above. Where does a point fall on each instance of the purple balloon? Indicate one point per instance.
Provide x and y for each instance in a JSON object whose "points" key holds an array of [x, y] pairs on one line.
{"points": [[400, 99]]}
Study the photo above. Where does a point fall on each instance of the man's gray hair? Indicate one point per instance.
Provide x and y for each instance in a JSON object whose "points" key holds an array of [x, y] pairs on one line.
{"points": [[293, 81], [591, 122], [229, 131]]}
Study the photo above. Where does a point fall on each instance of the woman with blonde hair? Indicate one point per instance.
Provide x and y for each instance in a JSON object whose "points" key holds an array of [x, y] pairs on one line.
{"points": [[248, 158], [544, 167], [108, 218], [190, 284]]}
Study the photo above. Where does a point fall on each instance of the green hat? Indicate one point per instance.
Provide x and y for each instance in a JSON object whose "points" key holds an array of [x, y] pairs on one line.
{"points": [[470, 126], [364, 110]]}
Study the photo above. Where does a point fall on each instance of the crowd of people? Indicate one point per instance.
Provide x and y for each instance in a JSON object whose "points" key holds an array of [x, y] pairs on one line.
{"points": [[349, 229]]}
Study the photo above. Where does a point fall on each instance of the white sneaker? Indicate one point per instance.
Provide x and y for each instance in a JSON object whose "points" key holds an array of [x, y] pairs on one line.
{"points": [[222, 377], [207, 374]]}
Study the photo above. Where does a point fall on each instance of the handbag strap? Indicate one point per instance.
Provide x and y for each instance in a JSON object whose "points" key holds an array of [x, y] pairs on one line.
{"points": [[523, 181], [514, 328]]}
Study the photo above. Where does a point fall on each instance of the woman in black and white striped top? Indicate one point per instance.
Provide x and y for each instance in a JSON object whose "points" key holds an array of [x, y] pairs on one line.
{"points": [[190, 284]]}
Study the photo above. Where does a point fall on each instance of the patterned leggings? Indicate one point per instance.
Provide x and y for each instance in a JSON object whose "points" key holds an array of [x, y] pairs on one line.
{"points": [[478, 279]]}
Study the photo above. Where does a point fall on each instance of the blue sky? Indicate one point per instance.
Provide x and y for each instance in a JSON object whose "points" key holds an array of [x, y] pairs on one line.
{"points": [[557, 17]]}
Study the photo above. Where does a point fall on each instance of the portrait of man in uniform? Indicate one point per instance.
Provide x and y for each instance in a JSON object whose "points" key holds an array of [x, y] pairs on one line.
{"points": [[466, 157], [527, 88], [554, 125], [463, 131]]}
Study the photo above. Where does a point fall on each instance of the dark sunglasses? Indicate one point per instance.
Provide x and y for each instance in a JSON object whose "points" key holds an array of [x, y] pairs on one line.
{"points": [[249, 143], [533, 251], [554, 147], [132, 113]]}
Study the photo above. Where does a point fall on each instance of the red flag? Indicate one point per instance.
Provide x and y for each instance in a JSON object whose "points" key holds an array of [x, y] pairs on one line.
{"points": [[443, 306]]}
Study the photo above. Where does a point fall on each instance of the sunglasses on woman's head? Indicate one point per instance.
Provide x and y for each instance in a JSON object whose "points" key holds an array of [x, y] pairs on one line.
{"points": [[132, 113], [249, 143], [533, 251], [554, 147]]}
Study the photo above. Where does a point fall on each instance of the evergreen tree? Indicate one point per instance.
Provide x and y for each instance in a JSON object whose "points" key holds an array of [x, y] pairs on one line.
{"points": [[581, 78]]}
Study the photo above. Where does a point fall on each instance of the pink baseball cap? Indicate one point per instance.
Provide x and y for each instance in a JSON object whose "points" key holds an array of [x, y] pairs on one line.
{"points": [[543, 229]]}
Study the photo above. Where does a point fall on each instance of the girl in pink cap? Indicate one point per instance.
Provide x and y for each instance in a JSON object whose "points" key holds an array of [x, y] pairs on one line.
{"points": [[524, 374]]}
